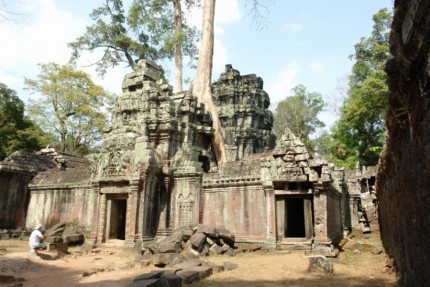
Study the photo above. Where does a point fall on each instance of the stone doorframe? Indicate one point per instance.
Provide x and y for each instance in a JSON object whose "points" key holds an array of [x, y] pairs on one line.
{"points": [[125, 190]]}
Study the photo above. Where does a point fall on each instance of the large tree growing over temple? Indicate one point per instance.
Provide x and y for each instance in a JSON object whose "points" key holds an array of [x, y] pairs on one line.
{"points": [[359, 133], [70, 106], [149, 30], [202, 81]]}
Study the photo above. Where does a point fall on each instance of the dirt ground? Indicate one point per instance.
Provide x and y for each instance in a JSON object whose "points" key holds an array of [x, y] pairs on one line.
{"points": [[112, 265]]}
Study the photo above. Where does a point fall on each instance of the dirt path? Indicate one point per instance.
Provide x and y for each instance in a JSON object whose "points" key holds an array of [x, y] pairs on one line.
{"points": [[114, 266]]}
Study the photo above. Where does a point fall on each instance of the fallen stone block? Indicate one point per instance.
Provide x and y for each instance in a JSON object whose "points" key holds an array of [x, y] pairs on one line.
{"points": [[172, 280], [73, 239], [163, 259], [227, 236], [149, 275], [188, 264], [167, 270], [216, 268], [319, 263], [169, 247], [197, 239], [188, 277], [147, 283], [209, 231], [229, 265], [61, 247], [215, 249], [204, 271]]}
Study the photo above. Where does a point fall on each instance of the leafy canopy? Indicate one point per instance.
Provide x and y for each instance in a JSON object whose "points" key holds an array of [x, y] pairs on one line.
{"points": [[70, 106], [17, 132], [359, 133], [299, 112], [145, 32]]}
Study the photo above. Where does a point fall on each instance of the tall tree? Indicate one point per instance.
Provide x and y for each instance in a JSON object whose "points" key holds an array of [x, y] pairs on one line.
{"points": [[164, 20], [202, 81], [70, 106], [358, 135], [17, 132], [150, 30], [299, 112]]}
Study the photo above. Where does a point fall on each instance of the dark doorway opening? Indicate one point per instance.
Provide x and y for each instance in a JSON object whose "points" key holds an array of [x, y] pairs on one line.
{"points": [[117, 219], [295, 225]]}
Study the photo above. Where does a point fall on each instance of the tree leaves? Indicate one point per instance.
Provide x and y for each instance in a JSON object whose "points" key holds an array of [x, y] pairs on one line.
{"points": [[70, 106], [299, 112]]}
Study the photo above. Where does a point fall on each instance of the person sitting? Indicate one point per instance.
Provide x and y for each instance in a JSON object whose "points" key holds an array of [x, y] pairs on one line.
{"points": [[36, 240]]}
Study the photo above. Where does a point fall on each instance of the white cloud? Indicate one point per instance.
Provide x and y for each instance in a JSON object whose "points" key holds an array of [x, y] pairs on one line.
{"points": [[220, 57], [287, 79], [41, 38], [227, 11], [317, 66], [293, 27]]}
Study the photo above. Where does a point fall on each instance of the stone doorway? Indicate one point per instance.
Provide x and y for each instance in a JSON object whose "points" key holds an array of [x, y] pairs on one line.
{"points": [[116, 218], [293, 217]]}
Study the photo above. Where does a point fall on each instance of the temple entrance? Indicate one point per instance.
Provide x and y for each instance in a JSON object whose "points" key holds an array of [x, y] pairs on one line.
{"points": [[293, 217], [116, 212]]}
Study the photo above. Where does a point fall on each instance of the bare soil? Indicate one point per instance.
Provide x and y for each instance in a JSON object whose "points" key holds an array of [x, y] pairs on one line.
{"points": [[113, 265]]}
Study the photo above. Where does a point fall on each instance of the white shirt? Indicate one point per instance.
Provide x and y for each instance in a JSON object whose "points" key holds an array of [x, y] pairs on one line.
{"points": [[35, 238]]}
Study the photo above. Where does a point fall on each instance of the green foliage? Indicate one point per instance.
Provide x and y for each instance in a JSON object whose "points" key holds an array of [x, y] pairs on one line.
{"points": [[299, 112], [359, 133], [157, 19], [70, 106], [17, 132], [146, 32]]}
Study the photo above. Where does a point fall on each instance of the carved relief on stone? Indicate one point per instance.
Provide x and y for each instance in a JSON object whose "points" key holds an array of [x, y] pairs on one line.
{"points": [[116, 164], [185, 202]]}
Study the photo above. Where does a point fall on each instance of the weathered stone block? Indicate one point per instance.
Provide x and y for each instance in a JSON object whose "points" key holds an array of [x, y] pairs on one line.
{"points": [[188, 277], [162, 259], [227, 236], [204, 271], [229, 265], [169, 247], [215, 249], [197, 239], [319, 263]]}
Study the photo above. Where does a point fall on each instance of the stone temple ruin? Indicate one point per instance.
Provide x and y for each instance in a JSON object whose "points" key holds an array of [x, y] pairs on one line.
{"points": [[157, 172]]}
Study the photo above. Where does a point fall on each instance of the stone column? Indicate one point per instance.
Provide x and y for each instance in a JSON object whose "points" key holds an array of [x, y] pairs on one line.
{"points": [[95, 220], [141, 203], [102, 218], [320, 215], [132, 211], [270, 215], [164, 199]]}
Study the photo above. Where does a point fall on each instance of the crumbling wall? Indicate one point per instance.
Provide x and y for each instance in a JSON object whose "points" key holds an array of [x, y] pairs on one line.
{"points": [[404, 175]]}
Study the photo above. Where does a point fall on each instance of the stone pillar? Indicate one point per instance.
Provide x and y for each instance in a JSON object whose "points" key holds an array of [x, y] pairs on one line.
{"points": [[92, 239], [241, 148], [132, 212], [320, 215], [163, 226], [141, 202], [270, 215], [102, 219]]}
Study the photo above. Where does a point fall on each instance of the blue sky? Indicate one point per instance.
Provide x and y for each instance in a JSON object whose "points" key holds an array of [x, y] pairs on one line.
{"points": [[303, 42]]}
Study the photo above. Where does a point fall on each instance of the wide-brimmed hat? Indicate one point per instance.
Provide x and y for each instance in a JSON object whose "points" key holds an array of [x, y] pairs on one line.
{"points": [[38, 226]]}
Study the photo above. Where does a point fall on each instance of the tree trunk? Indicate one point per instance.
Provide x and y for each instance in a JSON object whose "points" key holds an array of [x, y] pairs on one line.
{"points": [[202, 82], [177, 45]]}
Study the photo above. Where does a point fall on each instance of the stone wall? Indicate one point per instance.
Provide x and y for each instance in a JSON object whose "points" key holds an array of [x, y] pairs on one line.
{"points": [[16, 171], [404, 175], [61, 195]]}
